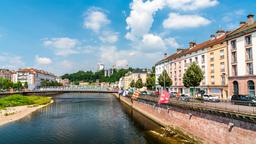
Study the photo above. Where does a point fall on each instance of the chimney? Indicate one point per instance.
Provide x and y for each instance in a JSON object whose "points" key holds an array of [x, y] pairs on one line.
{"points": [[179, 49], [213, 37], [242, 23], [165, 55], [250, 19], [191, 44], [220, 33]]}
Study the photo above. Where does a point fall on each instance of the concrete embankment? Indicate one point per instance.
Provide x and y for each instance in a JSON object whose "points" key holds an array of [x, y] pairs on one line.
{"points": [[206, 128], [12, 114]]}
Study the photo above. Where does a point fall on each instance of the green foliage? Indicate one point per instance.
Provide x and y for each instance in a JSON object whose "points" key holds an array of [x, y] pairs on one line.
{"points": [[26, 85], [89, 76], [132, 84], [45, 83], [150, 82], [193, 76], [19, 100], [164, 79], [139, 83]]}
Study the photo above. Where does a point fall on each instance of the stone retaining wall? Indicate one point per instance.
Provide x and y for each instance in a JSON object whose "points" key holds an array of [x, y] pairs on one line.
{"points": [[204, 127]]}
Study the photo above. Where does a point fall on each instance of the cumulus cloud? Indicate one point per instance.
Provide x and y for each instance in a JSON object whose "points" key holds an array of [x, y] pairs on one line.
{"points": [[188, 5], [109, 37], [141, 19], [95, 19], [43, 60], [152, 43], [171, 42], [10, 61], [62, 46], [177, 21]]}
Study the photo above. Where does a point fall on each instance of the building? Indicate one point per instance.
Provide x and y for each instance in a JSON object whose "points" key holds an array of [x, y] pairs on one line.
{"points": [[100, 66], [242, 58], [202, 54], [125, 81], [6, 74], [33, 77], [108, 72], [160, 67]]}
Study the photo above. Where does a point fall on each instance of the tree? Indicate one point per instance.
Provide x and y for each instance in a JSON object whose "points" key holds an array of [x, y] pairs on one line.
{"points": [[193, 76], [150, 82], [132, 84], [139, 83], [26, 85], [164, 80]]}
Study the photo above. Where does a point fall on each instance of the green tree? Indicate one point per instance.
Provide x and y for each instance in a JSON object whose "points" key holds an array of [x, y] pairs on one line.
{"points": [[193, 76], [139, 83], [19, 85], [25, 85], [150, 82], [164, 80], [132, 84]]}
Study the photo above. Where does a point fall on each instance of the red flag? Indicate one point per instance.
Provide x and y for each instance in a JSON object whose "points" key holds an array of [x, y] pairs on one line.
{"points": [[164, 97], [136, 94]]}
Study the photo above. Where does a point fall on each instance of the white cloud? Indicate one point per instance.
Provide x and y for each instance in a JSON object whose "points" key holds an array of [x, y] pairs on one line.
{"points": [[171, 42], [62, 46], [109, 37], [152, 43], [121, 63], [43, 60], [95, 19], [141, 19], [188, 5], [10, 61], [177, 21]]}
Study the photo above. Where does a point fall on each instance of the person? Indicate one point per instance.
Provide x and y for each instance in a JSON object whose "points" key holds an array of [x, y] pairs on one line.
{"points": [[120, 92]]}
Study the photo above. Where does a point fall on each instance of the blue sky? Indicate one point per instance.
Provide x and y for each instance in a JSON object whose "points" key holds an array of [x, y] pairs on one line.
{"points": [[69, 35]]}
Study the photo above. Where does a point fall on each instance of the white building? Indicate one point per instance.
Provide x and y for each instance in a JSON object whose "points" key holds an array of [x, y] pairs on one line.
{"points": [[32, 77], [100, 66]]}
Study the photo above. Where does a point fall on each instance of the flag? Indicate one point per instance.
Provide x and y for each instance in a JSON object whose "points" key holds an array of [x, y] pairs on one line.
{"points": [[136, 94], [164, 97]]}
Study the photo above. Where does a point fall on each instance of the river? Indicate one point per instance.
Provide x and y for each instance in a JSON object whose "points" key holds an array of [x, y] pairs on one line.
{"points": [[80, 119]]}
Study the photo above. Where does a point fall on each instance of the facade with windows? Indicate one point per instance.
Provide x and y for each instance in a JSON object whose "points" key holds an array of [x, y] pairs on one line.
{"points": [[242, 58], [218, 66]]}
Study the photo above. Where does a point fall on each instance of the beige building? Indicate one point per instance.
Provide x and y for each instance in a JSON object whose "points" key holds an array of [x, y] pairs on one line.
{"points": [[125, 81], [218, 66]]}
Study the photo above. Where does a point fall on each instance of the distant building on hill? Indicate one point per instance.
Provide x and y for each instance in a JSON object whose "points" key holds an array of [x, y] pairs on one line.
{"points": [[100, 66]]}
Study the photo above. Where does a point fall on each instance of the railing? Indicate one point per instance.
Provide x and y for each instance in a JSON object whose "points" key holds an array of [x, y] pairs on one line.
{"points": [[73, 88]]}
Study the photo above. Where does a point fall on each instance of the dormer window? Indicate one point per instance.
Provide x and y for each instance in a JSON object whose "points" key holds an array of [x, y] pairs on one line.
{"points": [[248, 40]]}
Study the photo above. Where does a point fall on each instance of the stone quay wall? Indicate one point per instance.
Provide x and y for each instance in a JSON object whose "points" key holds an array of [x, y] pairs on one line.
{"points": [[203, 127]]}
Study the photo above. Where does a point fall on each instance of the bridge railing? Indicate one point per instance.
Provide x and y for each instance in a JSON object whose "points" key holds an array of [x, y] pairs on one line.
{"points": [[73, 88]]}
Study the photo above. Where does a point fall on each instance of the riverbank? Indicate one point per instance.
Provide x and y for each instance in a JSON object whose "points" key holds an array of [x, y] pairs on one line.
{"points": [[197, 124], [15, 107]]}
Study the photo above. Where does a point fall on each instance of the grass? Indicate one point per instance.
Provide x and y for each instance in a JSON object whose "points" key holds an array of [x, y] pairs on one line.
{"points": [[20, 100]]}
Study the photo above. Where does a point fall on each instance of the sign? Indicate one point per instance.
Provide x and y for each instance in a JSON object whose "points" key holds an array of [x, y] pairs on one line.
{"points": [[164, 97]]}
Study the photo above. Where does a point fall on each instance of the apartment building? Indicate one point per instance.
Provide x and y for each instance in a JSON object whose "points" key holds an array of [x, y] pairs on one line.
{"points": [[33, 77], [6, 74], [242, 58], [125, 81], [218, 66]]}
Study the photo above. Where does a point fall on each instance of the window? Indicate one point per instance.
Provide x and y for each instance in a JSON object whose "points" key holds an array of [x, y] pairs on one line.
{"points": [[211, 56], [248, 40], [203, 59], [190, 60], [236, 88], [234, 70], [249, 54], [196, 59], [223, 81], [212, 80], [222, 67], [233, 45], [249, 68], [221, 54], [203, 69], [251, 88], [233, 57], [212, 68]]}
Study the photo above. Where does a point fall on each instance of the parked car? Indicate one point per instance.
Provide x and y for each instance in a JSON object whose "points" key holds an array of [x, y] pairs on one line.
{"points": [[243, 100], [184, 97], [211, 98], [173, 94]]}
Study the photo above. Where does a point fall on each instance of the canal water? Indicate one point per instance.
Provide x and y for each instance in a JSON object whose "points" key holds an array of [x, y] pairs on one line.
{"points": [[80, 119]]}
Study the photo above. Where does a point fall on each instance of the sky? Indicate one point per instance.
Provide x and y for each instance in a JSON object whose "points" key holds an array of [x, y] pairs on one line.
{"points": [[64, 36]]}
